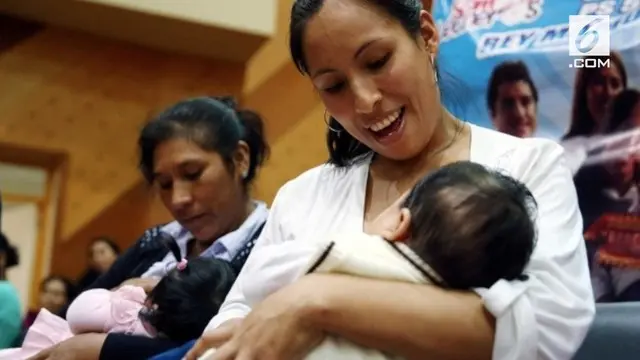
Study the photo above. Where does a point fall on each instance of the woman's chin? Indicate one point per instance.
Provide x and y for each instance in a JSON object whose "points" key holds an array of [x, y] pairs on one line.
{"points": [[204, 235]]}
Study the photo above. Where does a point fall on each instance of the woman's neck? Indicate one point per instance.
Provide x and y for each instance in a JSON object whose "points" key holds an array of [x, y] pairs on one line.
{"points": [[243, 214], [444, 147]]}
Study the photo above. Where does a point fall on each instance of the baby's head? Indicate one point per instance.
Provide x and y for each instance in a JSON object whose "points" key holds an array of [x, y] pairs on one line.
{"points": [[184, 301], [472, 225]]}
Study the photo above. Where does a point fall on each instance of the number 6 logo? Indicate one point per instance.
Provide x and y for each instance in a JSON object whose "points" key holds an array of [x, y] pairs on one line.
{"points": [[587, 33]]}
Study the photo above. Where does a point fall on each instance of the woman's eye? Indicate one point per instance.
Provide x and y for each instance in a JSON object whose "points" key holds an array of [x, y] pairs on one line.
{"points": [[164, 185], [193, 175], [378, 64], [334, 88]]}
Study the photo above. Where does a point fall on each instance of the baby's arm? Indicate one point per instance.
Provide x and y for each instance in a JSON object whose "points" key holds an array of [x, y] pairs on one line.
{"points": [[90, 311], [103, 311]]}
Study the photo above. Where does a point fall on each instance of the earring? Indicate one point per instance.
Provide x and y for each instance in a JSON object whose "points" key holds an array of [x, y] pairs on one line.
{"points": [[433, 68], [245, 174], [329, 124]]}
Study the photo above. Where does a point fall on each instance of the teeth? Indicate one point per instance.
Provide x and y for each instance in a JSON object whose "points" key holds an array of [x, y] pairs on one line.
{"points": [[385, 122]]}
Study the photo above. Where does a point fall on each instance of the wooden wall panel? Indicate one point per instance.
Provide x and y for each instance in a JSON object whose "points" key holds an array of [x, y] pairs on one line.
{"points": [[299, 148], [68, 92]]}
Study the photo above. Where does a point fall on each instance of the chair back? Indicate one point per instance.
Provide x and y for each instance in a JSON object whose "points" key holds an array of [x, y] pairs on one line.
{"points": [[614, 334]]}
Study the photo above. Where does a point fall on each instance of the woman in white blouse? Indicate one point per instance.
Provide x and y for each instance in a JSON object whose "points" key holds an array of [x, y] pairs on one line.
{"points": [[373, 65]]}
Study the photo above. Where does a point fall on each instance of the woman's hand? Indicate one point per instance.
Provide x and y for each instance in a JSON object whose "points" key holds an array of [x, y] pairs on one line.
{"points": [[213, 339], [147, 283], [275, 329], [79, 347]]}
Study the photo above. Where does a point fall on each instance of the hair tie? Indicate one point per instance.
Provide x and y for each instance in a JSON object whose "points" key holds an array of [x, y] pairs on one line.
{"points": [[182, 264]]}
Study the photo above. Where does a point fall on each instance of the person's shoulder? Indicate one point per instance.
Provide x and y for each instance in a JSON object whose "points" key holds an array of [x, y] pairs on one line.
{"points": [[506, 151], [8, 293]]}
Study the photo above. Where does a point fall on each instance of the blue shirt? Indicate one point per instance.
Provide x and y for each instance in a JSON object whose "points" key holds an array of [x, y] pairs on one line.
{"points": [[10, 315]]}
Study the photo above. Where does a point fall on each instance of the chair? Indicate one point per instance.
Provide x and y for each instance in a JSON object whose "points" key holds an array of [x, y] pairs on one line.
{"points": [[614, 334]]}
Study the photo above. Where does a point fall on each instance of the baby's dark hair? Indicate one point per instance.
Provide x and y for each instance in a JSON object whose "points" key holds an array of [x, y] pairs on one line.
{"points": [[184, 301], [472, 225]]}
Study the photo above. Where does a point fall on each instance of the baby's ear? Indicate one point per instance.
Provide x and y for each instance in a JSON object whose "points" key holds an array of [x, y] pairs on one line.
{"points": [[401, 232]]}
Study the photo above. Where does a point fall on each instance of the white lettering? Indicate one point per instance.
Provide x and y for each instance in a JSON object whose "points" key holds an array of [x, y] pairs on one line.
{"points": [[591, 63]]}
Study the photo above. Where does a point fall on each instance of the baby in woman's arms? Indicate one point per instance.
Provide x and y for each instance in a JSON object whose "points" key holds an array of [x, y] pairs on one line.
{"points": [[179, 307], [461, 227]]}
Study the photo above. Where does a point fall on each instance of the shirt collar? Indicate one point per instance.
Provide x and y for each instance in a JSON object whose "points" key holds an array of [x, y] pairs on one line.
{"points": [[228, 245]]}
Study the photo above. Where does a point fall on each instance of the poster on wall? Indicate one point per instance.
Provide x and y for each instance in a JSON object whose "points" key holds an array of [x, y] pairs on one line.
{"points": [[568, 70]]}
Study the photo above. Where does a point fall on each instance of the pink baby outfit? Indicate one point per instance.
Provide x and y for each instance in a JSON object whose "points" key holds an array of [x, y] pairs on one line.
{"points": [[94, 311]]}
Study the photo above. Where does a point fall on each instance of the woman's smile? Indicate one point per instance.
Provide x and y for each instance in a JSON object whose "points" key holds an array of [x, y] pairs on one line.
{"points": [[389, 129]]}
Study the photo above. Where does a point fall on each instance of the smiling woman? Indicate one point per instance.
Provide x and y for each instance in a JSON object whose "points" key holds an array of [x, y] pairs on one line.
{"points": [[373, 63], [201, 155]]}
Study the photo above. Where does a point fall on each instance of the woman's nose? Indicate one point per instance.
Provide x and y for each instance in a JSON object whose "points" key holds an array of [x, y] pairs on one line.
{"points": [[367, 96], [181, 197]]}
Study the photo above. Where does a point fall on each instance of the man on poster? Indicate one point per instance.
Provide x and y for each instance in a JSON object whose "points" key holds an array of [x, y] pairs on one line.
{"points": [[512, 99]]}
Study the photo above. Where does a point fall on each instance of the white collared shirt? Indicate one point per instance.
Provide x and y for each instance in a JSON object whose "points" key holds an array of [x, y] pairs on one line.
{"points": [[546, 317]]}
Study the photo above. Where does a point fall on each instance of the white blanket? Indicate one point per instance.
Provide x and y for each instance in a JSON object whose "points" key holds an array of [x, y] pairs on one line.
{"points": [[355, 254], [365, 256]]}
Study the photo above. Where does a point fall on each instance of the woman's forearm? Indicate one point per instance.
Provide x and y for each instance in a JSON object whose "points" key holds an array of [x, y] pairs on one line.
{"points": [[413, 321]]}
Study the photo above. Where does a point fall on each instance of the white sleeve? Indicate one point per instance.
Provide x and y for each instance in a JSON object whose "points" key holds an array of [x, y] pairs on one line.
{"points": [[235, 304], [547, 316], [575, 152]]}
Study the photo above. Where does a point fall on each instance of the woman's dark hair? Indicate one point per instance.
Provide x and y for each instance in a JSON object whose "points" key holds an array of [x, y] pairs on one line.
{"points": [[10, 253], [344, 149], [186, 299], [214, 123], [582, 123], [508, 72], [472, 225], [620, 111], [107, 241], [69, 287]]}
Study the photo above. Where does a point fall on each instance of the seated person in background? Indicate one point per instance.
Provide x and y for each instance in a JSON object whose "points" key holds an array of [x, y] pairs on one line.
{"points": [[10, 312], [460, 227], [201, 155], [178, 308], [102, 252], [56, 293]]}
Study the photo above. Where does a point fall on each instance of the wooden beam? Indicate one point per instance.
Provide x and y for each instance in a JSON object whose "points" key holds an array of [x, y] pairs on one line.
{"points": [[13, 31]]}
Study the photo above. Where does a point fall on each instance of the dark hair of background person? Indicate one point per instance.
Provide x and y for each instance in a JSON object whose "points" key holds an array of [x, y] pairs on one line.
{"points": [[582, 123], [344, 149], [620, 111], [69, 287], [105, 240], [91, 274], [214, 123], [185, 300], [472, 225], [10, 253], [505, 73]]}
